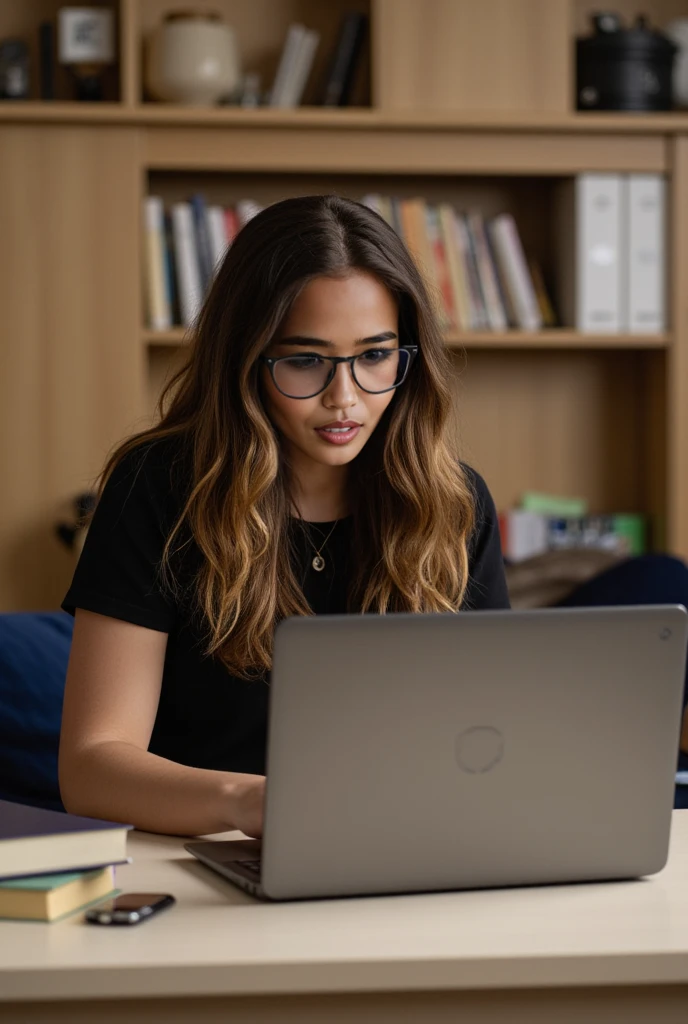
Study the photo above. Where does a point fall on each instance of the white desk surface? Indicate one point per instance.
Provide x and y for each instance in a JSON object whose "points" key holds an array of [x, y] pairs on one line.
{"points": [[219, 941]]}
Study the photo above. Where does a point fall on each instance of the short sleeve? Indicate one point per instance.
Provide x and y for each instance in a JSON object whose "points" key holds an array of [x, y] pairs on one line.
{"points": [[118, 572], [487, 589]]}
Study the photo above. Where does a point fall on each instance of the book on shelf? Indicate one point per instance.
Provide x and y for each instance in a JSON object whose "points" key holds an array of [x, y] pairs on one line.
{"points": [[514, 272], [184, 246], [486, 269], [294, 68], [50, 897], [472, 288], [645, 254], [158, 306], [36, 841], [186, 263], [344, 60]]}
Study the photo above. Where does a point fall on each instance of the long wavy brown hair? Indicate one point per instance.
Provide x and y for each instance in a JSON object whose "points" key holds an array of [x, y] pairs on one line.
{"points": [[413, 508]]}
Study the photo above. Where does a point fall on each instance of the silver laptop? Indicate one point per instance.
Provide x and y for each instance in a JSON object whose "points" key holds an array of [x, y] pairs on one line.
{"points": [[409, 753]]}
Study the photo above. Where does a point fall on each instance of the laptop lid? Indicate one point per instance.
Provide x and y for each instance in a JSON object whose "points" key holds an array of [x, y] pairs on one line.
{"points": [[419, 752]]}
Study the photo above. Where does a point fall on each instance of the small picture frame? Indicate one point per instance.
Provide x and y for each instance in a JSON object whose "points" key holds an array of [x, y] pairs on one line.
{"points": [[86, 35]]}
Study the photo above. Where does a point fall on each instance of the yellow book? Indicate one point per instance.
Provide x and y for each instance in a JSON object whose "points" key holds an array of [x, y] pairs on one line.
{"points": [[47, 897]]}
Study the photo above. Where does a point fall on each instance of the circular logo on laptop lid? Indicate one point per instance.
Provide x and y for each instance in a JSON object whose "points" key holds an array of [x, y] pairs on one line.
{"points": [[479, 749]]}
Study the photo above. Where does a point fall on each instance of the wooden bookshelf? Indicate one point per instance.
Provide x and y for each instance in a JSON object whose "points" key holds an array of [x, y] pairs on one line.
{"points": [[558, 338], [605, 417]]}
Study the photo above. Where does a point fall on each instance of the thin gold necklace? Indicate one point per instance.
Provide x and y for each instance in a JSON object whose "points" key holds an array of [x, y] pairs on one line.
{"points": [[318, 562]]}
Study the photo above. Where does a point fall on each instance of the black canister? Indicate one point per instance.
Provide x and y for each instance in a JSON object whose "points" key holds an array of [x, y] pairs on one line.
{"points": [[624, 69]]}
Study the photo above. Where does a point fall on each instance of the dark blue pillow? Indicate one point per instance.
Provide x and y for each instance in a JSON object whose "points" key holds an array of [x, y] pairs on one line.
{"points": [[34, 650]]}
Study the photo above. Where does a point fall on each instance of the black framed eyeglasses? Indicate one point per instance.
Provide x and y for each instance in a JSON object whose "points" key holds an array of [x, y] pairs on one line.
{"points": [[307, 374]]}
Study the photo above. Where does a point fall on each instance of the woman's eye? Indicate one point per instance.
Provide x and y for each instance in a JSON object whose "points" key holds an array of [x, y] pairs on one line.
{"points": [[377, 355], [303, 362]]}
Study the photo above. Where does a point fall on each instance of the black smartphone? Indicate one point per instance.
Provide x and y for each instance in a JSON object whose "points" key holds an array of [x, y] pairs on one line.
{"points": [[129, 908]]}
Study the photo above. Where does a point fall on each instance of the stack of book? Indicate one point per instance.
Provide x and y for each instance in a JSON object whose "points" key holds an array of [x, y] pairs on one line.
{"points": [[296, 65], [53, 864], [476, 268], [544, 523], [183, 246]]}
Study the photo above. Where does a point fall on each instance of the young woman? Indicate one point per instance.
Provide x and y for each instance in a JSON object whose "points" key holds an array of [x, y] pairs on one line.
{"points": [[302, 464]]}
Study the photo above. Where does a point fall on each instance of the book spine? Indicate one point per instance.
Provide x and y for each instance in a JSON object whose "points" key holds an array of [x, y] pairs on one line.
{"points": [[515, 273], [478, 312], [305, 56], [203, 247], [598, 246], [286, 65], [646, 253], [188, 270], [455, 269], [158, 304], [231, 224], [46, 47], [171, 270], [441, 268], [218, 236], [496, 316], [337, 90]]}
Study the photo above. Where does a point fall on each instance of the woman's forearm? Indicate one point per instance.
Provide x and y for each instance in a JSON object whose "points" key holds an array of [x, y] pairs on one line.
{"points": [[118, 781]]}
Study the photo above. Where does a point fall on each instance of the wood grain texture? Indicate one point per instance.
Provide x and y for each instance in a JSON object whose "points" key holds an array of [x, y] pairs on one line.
{"points": [[395, 150], [72, 366], [677, 364], [566, 423], [456, 54], [130, 53]]}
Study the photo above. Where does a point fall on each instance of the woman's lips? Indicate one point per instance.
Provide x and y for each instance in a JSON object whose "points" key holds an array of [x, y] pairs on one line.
{"points": [[338, 435]]}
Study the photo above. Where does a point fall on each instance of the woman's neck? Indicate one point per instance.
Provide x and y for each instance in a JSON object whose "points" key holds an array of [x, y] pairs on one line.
{"points": [[320, 492]]}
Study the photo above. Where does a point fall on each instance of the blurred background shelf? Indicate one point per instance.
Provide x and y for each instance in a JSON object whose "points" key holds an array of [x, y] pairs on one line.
{"points": [[464, 103], [557, 338]]}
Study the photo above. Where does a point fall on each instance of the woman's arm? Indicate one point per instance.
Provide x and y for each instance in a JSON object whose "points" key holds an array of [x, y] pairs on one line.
{"points": [[111, 699]]}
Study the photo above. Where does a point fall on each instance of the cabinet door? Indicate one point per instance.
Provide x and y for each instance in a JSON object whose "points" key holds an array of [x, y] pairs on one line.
{"points": [[71, 367]]}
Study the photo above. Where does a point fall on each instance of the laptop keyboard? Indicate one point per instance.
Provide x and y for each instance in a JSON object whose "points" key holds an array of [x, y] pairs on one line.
{"points": [[251, 865]]}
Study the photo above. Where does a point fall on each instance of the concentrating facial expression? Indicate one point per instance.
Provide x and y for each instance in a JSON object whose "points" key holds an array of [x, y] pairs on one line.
{"points": [[333, 317]]}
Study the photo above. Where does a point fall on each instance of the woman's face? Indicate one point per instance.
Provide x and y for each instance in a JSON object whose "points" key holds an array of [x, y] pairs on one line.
{"points": [[332, 317]]}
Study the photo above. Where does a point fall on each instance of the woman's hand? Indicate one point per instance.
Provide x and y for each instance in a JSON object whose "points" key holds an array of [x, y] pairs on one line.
{"points": [[244, 798]]}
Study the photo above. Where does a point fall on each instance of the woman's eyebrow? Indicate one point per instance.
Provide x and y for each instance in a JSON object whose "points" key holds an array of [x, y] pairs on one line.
{"points": [[300, 339]]}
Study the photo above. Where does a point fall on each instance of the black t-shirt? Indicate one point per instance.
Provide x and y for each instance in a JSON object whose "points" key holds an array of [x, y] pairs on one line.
{"points": [[207, 718]]}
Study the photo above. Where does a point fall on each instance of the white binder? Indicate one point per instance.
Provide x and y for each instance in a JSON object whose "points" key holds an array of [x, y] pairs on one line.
{"points": [[646, 254], [591, 277]]}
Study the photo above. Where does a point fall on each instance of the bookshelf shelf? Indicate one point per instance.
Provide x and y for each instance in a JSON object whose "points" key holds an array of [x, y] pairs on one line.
{"points": [[559, 338], [512, 122]]}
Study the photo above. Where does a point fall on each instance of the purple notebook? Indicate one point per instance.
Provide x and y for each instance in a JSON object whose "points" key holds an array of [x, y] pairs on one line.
{"points": [[34, 841]]}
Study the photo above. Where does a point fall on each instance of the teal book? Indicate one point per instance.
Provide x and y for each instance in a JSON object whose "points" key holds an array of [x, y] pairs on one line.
{"points": [[49, 897]]}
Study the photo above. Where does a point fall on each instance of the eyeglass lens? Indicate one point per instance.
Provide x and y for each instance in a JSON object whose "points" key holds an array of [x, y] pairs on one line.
{"points": [[302, 376]]}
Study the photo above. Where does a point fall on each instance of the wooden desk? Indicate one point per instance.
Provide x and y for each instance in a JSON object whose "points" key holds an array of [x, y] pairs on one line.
{"points": [[617, 952]]}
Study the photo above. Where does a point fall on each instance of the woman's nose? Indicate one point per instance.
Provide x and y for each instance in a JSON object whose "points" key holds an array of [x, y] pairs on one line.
{"points": [[342, 388]]}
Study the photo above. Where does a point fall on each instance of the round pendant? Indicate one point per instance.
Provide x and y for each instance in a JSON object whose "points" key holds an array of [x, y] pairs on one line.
{"points": [[318, 563]]}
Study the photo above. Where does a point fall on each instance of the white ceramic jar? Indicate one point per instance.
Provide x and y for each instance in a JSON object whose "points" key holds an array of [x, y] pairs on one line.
{"points": [[192, 58]]}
